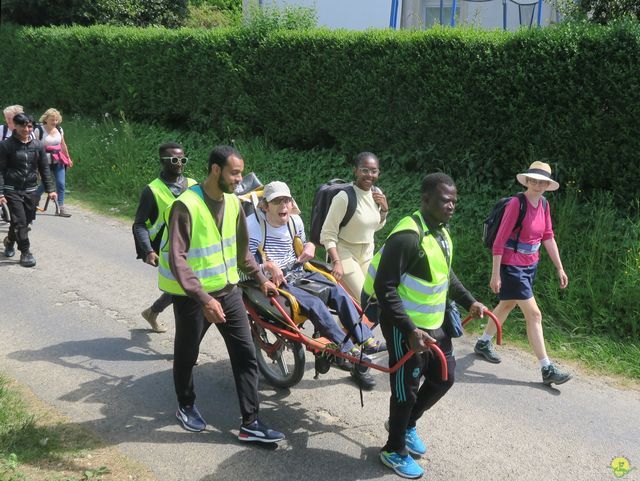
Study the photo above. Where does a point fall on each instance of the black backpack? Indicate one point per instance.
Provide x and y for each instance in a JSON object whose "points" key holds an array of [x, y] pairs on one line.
{"points": [[322, 201], [493, 220]]}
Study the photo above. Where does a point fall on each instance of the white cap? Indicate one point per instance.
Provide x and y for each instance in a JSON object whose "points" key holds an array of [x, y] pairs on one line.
{"points": [[276, 189]]}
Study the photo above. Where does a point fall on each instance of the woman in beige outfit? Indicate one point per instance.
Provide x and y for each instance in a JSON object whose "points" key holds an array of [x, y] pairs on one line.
{"points": [[351, 247]]}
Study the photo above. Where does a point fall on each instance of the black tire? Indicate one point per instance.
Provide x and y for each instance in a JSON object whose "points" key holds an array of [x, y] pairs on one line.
{"points": [[285, 367]]}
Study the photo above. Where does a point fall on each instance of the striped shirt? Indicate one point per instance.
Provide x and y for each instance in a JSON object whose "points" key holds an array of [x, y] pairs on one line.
{"points": [[277, 243]]}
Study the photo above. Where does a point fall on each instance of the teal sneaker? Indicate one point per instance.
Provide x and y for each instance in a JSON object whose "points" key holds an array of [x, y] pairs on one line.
{"points": [[412, 441], [414, 444], [404, 466], [552, 375], [486, 350]]}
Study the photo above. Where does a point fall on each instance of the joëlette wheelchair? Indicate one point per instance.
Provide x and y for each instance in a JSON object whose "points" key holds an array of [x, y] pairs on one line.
{"points": [[277, 323]]}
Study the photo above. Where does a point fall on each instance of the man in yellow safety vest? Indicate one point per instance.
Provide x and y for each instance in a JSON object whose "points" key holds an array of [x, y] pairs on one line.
{"points": [[205, 246], [411, 277], [149, 223]]}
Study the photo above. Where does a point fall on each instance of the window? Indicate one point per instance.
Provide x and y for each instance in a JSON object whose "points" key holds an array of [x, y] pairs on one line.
{"points": [[437, 12]]}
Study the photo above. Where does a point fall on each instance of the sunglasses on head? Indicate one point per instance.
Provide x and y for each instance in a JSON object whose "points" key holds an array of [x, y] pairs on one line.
{"points": [[176, 160]]}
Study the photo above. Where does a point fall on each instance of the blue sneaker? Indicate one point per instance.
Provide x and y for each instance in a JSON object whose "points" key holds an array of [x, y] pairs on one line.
{"points": [[404, 466], [413, 442], [256, 431], [191, 418]]}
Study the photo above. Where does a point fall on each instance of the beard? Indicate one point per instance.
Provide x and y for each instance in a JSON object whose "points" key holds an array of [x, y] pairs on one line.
{"points": [[225, 187]]}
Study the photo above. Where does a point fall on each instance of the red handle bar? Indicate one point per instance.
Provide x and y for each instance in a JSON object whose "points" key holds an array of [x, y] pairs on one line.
{"points": [[495, 320]]}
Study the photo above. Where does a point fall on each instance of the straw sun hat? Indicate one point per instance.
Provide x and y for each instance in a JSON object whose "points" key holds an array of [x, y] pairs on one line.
{"points": [[540, 171]]}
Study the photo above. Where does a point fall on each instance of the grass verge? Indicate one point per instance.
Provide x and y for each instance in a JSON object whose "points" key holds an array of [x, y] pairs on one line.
{"points": [[39, 444]]}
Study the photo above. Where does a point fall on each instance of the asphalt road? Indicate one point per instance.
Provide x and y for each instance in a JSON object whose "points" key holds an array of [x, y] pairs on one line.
{"points": [[71, 330]]}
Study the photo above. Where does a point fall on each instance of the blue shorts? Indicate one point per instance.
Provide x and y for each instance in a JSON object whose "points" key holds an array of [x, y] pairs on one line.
{"points": [[517, 282]]}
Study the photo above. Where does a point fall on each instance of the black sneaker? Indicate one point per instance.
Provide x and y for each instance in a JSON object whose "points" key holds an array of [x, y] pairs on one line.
{"points": [[485, 349], [552, 375], [361, 374], [256, 431], [191, 418], [9, 248], [27, 259]]}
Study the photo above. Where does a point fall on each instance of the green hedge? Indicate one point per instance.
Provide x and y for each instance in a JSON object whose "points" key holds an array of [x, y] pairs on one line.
{"points": [[474, 103]]}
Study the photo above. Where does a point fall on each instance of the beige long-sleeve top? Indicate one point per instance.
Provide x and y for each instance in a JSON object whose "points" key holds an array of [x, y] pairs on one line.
{"points": [[362, 226]]}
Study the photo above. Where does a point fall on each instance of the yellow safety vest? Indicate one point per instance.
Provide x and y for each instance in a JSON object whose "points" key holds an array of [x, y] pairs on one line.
{"points": [[164, 198], [424, 301], [212, 255]]}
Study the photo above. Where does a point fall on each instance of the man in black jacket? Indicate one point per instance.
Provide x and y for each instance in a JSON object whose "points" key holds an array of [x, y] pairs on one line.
{"points": [[416, 264], [21, 158]]}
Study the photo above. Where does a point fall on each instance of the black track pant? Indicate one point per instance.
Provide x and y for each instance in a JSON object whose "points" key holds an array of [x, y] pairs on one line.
{"points": [[409, 400], [191, 327], [162, 302], [22, 206]]}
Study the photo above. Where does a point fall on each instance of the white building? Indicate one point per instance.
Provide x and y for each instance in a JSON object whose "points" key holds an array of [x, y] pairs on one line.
{"points": [[421, 14]]}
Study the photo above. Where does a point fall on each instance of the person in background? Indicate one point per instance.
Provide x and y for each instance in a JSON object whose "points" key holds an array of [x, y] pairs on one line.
{"points": [[52, 135], [149, 223], [9, 113], [515, 263], [21, 159]]}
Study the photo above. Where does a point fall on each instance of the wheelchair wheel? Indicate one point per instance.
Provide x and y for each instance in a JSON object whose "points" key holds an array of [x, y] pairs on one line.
{"points": [[280, 361]]}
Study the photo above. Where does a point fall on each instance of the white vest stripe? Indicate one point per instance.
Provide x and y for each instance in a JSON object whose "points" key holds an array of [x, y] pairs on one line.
{"points": [[412, 283], [423, 308]]}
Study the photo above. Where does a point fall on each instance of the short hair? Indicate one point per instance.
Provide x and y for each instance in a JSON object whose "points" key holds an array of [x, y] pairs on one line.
{"points": [[362, 156], [12, 110], [51, 113], [23, 119], [163, 149], [431, 182], [220, 154]]}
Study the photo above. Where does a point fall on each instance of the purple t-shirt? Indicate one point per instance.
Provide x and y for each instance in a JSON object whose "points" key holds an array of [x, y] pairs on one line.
{"points": [[536, 228]]}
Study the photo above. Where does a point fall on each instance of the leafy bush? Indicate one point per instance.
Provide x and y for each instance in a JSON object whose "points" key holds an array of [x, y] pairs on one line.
{"points": [[140, 13], [206, 15], [261, 20], [228, 5], [479, 104], [601, 11]]}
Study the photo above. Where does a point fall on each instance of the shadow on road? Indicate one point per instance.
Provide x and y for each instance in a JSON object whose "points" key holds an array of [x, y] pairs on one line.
{"points": [[465, 374], [140, 408]]}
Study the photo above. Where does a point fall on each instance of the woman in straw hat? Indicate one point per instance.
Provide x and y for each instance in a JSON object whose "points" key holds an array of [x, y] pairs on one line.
{"points": [[515, 262]]}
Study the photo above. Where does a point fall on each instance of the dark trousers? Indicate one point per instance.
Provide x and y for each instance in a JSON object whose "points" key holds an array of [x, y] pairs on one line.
{"points": [[409, 400], [321, 317], [22, 206], [191, 327], [162, 302]]}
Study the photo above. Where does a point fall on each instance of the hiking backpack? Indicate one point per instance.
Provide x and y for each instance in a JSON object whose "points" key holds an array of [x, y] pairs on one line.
{"points": [[322, 201], [493, 220]]}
